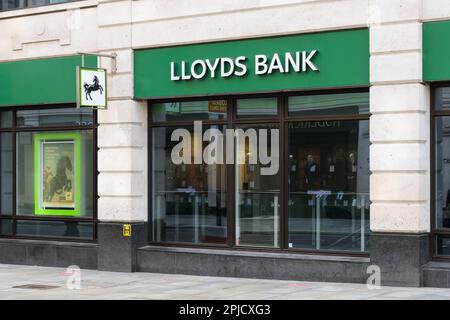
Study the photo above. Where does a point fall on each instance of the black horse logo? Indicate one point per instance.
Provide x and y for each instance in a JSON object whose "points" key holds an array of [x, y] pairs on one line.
{"points": [[88, 88], [60, 182]]}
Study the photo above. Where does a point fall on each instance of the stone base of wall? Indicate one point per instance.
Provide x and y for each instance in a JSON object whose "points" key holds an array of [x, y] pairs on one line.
{"points": [[407, 265], [400, 257], [48, 253], [436, 274], [117, 252], [247, 264]]}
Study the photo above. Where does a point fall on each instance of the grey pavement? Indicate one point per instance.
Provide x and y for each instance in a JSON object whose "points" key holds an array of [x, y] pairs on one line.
{"points": [[116, 285]]}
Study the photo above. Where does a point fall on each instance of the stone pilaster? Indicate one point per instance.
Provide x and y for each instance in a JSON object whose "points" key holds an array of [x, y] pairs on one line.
{"points": [[399, 133], [122, 142]]}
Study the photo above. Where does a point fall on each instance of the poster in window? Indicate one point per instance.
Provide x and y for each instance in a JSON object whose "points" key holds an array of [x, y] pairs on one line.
{"points": [[57, 174]]}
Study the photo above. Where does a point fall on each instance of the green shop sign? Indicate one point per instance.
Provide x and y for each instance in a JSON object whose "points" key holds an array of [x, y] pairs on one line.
{"points": [[40, 81], [308, 61], [436, 51]]}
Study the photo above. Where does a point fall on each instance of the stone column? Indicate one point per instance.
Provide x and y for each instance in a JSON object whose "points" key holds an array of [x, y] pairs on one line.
{"points": [[400, 137], [122, 143]]}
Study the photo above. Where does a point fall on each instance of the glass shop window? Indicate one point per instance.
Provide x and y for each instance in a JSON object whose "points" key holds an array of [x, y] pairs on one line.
{"points": [[55, 173], [257, 195], [299, 179], [329, 185], [48, 173], [189, 198], [440, 216]]}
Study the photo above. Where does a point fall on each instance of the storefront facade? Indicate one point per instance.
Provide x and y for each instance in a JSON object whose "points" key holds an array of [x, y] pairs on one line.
{"points": [[345, 103]]}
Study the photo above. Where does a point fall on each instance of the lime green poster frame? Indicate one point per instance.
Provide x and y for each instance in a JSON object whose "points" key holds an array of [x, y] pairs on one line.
{"points": [[55, 137]]}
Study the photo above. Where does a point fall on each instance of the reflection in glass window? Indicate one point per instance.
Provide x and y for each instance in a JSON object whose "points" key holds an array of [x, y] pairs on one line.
{"points": [[442, 98], [6, 228], [257, 108], [11, 4], [6, 119], [189, 200], [442, 245], [189, 110], [57, 117], [18, 4], [258, 200], [329, 185], [35, 3], [329, 104], [442, 172], [59, 229], [6, 173]]}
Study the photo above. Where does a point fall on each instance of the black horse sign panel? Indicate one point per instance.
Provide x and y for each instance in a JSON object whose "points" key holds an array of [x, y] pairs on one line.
{"points": [[95, 86], [91, 85]]}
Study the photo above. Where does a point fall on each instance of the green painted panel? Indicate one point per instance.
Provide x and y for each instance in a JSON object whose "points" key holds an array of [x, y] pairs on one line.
{"points": [[40, 81], [342, 59], [436, 51]]}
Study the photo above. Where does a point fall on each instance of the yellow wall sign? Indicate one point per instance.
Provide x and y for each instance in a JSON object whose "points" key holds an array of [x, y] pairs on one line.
{"points": [[127, 230]]}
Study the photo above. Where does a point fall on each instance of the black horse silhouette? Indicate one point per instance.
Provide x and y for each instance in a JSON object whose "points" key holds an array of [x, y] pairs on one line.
{"points": [[60, 183], [88, 88]]}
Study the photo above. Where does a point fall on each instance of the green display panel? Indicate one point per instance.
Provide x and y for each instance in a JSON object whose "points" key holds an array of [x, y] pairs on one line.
{"points": [[295, 62], [40, 81], [57, 166], [436, 51]]}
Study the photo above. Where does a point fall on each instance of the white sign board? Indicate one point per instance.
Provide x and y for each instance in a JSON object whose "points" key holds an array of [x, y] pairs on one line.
{"points": [[91, 88]]}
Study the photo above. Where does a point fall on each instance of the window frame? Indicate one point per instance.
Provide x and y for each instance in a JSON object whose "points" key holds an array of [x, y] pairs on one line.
{"points": [[14, 129], [282, 119], [434, 114]]}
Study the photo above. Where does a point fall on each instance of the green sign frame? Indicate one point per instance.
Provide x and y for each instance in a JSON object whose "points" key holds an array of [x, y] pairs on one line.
{"points": [[55, 137], [342, 58]]}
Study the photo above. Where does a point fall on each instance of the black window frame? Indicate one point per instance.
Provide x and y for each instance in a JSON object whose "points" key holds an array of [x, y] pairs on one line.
{"points": [[14, 129], [282, 119], [435, 113]]}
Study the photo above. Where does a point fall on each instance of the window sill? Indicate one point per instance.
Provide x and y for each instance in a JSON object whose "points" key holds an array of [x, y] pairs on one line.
{"points": [[257, 254], [52, 242], [14, 13]]}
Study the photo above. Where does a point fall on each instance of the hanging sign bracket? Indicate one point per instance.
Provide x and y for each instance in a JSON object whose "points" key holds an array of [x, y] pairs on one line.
{"points": [[91, 88], [112, 56]]}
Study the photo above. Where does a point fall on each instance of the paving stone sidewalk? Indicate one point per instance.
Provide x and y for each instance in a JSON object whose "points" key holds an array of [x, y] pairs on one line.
{"points": [[115, 285]]}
